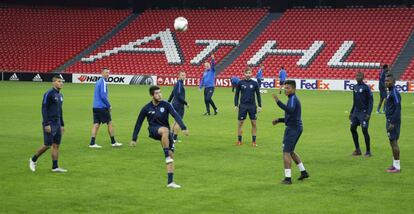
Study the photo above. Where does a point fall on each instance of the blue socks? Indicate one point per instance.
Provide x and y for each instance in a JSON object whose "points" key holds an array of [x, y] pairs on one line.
{"points": [[55, 164], [170, 177], [113, 140], [254, 138], [34, 158], [239, 138], [166, 152]]}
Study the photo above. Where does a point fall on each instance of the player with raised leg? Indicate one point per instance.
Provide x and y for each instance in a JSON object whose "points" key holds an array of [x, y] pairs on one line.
{"points": [[157, 112]]}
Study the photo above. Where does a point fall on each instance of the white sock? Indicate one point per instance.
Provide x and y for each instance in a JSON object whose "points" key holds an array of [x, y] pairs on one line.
{"points": [[301, 167], [396, 164], [288, 173]]}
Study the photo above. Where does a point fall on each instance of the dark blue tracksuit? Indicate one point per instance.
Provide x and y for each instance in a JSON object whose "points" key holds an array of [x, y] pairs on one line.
{"points": [[178, 98], [157, 117], [208, 82], [248, 88], [52, 115], [393, 113], [360, 112], [293, 121], [362, 105], [381, 84]]}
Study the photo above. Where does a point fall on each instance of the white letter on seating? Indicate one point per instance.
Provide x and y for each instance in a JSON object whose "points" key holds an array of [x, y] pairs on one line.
{"points": [[269, 48], [169, 48], [338, 59], [212, 45]]}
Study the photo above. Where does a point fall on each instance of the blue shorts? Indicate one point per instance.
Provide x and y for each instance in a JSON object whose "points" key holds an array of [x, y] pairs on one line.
{"points": [[55, 136], [153, 133], [179, 109], [383, 92], [282, 82], [393, 134], [359, 119], [101, 115], [251, 110], [291, 138]]}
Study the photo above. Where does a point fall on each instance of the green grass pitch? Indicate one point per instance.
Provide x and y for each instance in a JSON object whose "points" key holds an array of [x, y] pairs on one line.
{"points": [[217, 177]]}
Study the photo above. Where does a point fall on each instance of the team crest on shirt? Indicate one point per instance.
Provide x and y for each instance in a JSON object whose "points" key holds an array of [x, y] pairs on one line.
{"points": [[162, 109], [360, 90], [251, 86]]}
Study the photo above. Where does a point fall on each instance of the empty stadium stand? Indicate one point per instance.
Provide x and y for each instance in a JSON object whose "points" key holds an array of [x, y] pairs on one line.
{"points": [[409, 72], [310, 43], [42, 39], [136, 49], [372, 37]]}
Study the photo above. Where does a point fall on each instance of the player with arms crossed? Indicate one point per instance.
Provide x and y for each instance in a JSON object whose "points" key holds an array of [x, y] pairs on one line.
{"points": [[157, 112]]}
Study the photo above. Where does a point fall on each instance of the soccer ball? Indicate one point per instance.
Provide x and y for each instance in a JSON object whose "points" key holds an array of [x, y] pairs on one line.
{"points": [[180, 24]]}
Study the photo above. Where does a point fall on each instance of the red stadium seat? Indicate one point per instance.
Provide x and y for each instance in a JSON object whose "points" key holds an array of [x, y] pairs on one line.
{"points": [[225, 24], [298, 28], [41, 40], [408, 75]]}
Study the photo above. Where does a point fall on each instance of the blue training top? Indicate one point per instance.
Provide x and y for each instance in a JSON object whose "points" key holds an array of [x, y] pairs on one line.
{"points": [[259, 74], [293, 111], [100, 98], [363, 99], [178, 94], [248, 89], [208, 79], [282, 75], [52, 107], [393, 106], [157, 116]]}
